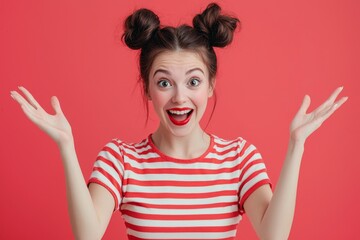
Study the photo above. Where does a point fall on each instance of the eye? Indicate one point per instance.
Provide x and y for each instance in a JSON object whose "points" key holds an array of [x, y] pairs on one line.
{"points": [[194, 82], [164, 83]]}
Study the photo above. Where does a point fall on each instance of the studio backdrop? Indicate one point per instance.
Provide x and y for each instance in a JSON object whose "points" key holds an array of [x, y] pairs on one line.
{"points": [[284, 50]]}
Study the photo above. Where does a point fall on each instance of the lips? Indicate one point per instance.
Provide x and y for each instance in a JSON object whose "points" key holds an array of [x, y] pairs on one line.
{"points": [[179, 116]]}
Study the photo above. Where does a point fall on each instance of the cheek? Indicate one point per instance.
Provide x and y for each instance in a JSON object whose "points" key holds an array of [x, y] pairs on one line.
{"points": [[201, 99], [159, 100]]}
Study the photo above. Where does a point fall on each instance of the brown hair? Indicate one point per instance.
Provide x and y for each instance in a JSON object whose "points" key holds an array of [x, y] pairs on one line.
{"points": [[210, 29]]}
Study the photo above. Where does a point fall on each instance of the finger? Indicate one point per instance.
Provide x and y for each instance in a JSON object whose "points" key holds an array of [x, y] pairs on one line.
{"points": [[55, 103], [20, 99], [30, 97], [330, 100], [305, 105], [34, 118], [333, 108], [341, 102], [29, 112]]}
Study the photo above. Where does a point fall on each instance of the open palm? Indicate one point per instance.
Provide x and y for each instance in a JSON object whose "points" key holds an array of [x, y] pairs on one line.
{"points": [[56, 126], [304, 123]]}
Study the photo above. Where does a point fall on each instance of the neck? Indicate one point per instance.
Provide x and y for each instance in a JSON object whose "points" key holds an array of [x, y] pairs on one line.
{"points": [[184, 147]]}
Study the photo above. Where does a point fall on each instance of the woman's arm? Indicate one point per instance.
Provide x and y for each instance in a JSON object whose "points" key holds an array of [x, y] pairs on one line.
{"points": [[89, 211], [272, 214]]}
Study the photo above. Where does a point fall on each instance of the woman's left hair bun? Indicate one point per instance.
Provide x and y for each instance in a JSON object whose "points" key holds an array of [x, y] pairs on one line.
{"points": [[217, 27], [139, 28]]}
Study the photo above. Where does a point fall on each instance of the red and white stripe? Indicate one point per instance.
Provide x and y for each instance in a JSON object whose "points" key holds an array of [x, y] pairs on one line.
{"points": [[161, 197]]}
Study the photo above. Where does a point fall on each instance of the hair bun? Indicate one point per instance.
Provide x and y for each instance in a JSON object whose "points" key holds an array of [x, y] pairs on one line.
{"points": [[140, 27], [219, 29]]}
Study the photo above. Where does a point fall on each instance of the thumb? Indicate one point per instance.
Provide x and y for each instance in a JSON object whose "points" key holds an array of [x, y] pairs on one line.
{"points": [[305, 104], [56, 104]]}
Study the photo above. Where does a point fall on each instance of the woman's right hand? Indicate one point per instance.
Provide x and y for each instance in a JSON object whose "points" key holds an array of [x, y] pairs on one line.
{"points": [[56, 126]]}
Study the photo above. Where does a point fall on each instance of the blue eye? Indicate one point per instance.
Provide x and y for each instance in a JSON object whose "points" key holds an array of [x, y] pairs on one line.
{"points": [[194, 82], [164, 83]]}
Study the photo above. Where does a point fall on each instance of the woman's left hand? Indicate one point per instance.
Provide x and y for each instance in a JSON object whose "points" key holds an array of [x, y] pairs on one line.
{"points": [[304, 123]]}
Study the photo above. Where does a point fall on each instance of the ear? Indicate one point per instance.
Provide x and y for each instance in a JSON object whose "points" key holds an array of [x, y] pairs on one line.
{"points": [[148, 96], [212, 88]]}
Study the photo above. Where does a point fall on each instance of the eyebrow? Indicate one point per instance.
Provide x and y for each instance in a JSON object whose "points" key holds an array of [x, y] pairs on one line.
{"points": [[188, 72]]}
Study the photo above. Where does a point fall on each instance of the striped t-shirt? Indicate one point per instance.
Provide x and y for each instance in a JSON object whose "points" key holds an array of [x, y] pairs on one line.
{"points": [[161, 197]]}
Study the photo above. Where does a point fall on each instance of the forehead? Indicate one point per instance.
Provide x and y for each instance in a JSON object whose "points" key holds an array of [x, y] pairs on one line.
{"points": [[178, 61]]}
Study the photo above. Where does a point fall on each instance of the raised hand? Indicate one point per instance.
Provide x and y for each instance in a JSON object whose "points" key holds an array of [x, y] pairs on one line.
{"points": [[56, 126], [304, 123]]}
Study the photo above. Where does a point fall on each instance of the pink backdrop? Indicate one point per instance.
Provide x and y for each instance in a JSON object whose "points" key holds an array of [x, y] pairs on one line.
{"points": [[286, 49]]}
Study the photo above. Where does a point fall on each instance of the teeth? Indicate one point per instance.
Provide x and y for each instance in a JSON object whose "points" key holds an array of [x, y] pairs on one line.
{"points": [[179, 112]]}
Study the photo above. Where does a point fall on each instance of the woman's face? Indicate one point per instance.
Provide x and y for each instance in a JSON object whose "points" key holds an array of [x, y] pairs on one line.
{"points": [[179, 88]]}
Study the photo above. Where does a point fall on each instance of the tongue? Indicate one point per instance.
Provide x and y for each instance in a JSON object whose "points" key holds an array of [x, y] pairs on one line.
{"points": [[181, 117]]}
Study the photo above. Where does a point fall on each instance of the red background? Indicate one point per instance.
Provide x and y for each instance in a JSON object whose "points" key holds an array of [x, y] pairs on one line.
{"points": [[286, 49]]}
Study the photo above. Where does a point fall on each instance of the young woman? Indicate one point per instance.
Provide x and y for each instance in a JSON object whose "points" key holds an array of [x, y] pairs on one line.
{"points": [[180, 182]]}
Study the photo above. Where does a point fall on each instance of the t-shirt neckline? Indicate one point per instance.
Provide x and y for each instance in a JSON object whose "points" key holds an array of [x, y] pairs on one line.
{"points": [[163, 155]]}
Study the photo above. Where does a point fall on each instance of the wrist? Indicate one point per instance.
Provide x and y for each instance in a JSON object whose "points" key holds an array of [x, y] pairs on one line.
{"points": [[66, 144], [297, 139], [296, 144]]}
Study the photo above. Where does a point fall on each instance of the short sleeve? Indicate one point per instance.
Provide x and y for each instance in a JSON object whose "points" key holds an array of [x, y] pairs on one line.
{"points": [[108, 170], [253, 173]]}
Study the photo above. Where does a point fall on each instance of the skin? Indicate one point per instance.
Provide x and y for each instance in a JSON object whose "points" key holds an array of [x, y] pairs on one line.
{"points": [[90, 209], [180, 79]]}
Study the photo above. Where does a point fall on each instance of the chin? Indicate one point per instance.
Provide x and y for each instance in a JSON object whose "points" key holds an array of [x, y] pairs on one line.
{"points": [[182, 131]]}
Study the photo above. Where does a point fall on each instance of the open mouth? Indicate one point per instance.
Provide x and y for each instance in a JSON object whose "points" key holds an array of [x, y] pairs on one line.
{"points": [[180, 116]]}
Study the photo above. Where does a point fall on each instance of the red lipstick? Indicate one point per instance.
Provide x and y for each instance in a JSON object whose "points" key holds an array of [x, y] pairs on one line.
{"points": [[180, 116]]}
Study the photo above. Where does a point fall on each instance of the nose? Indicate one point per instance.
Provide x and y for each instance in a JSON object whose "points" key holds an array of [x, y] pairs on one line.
{"points": [[179, 96]]}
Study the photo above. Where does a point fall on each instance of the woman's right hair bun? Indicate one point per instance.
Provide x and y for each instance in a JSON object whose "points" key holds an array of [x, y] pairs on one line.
{"points": [[219, 29], [140, 27]]}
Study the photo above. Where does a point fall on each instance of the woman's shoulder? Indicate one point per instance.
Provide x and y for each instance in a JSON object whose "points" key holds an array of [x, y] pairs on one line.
{"points": [[123, 142], [239, 143], [123, 145], [227, 141]]}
